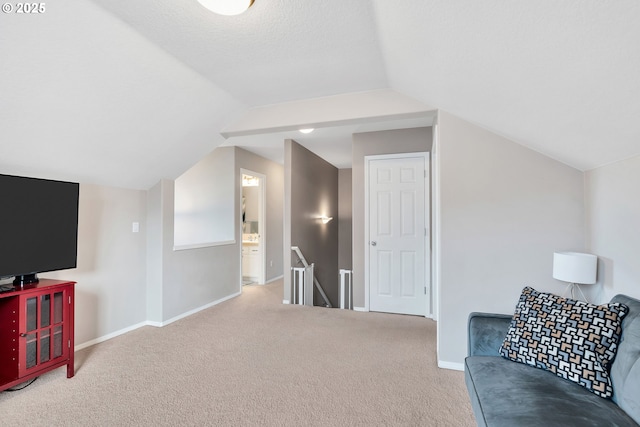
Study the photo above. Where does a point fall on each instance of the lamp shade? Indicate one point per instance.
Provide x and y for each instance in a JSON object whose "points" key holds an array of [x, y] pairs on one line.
{"points": [[575, 267]]}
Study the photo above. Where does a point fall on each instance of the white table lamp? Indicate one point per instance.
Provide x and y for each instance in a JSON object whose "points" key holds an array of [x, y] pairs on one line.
{"points": [[576, 268]]}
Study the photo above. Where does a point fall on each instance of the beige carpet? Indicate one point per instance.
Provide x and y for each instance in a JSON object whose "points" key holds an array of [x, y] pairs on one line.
{"points": [[254, 361]]}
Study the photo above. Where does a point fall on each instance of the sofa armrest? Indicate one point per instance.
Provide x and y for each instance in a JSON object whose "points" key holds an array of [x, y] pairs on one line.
{"points": [[486, 332]]}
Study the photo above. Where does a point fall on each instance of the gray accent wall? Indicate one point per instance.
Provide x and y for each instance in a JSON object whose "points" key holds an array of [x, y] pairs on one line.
{"points": [[373, 143], [504, 210], [613, 226], [311, 190], [345, 219]]}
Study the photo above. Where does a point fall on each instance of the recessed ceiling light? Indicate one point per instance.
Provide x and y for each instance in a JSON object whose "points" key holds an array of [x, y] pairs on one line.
{"points": [[227, 7], [309, 130]]}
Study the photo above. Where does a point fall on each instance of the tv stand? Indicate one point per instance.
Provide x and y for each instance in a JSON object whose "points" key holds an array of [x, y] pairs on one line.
{"points": [[36, 331], [25, 279]]}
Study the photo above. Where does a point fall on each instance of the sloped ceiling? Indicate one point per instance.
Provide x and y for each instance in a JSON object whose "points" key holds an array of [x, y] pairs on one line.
{"points": [[560, 77], [126, 92]]}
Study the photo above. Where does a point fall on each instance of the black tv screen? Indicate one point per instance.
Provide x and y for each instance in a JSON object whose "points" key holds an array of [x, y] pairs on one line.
{"points": [[38, 226]]}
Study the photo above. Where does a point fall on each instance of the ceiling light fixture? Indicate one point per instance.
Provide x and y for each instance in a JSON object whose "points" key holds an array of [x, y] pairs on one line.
{"points": [[227, 7], [308, 130]]}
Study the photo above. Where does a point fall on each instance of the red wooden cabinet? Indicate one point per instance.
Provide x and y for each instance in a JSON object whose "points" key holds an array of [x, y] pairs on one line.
{"points": [[36, 331]]}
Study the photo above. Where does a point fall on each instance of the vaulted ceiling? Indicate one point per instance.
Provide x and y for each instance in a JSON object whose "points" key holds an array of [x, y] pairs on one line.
{"points": [[126, 92]]}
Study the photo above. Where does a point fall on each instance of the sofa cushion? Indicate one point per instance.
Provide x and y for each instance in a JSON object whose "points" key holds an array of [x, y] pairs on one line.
{"points": [[625, 370], [573, 339], [504, 393]]}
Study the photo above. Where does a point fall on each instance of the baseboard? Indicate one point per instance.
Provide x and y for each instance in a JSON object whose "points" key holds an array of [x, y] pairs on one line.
{"points": [[285, 301], [194, 311], [154, 324], [450, 365], [109, 336], [360, 309], [151, 323], [274, 279]]}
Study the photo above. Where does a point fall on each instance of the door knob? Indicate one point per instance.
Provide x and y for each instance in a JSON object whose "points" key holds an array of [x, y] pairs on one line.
{"points": [[374, 243]]}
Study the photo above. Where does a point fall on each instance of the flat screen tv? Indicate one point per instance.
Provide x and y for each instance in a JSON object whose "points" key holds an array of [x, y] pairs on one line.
{"points": [[38, 227]]}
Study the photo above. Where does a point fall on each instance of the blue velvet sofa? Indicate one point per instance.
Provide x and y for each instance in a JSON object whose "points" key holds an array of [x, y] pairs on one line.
{"points": [[511, 394]]}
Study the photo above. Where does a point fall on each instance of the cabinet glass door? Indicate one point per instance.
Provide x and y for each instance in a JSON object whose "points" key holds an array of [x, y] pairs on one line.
{"points": [[43, 335], [31, 333]]}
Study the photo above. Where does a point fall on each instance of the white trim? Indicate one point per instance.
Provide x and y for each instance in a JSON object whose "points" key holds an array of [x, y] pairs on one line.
{"points": [[151, 323], [109, 336], [195, 310], [425, 156], [154, 324], [451, 365], [435, 229], [428, 309], [203, 245], [274, 279], [286, 301], [363, 309], [436, 242], [366, 236]]}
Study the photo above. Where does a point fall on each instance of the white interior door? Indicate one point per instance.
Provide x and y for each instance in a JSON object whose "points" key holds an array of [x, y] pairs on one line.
{"points": [[398, 267]]}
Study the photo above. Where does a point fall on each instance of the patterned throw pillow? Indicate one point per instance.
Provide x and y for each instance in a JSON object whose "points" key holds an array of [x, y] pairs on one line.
{"points": [[573, 339]]}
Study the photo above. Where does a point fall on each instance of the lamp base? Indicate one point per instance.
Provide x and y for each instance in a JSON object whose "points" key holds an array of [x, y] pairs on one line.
{"points": [[571, 288]]}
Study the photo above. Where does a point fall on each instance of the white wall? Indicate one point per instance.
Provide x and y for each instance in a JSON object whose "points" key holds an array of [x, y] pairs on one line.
{"points": [[154, 253], [613, 225], [187, 280], [125, 279], [504, 210], [111, 269], [372, 143], [204, 202], [195, 278]]}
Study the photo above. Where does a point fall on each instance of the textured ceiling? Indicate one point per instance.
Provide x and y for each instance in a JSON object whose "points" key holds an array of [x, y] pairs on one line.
{"points": [[279, 50], [126, 92]]}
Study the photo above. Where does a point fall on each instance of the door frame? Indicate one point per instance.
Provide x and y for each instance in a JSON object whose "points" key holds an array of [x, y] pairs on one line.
{"points": [[262, 191], [428, 312]]}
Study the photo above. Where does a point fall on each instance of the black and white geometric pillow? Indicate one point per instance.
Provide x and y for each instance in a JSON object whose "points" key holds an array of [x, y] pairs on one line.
{"points": [[573, 339]]}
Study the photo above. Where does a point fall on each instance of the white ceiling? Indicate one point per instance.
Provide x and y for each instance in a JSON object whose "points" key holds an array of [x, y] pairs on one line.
{"points": [[127, 92]]}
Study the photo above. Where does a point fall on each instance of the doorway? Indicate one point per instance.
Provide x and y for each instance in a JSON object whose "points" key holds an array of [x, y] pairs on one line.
{"points": [[397, 266], [252, 227]]}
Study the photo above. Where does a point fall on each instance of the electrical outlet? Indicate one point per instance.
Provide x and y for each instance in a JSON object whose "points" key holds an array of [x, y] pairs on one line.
{"points": [[271, 263]]}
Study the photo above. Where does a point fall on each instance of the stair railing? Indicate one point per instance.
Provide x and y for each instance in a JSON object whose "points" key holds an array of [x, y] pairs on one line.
{"points": [[346, 291], [315, 281]]}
